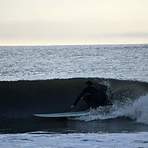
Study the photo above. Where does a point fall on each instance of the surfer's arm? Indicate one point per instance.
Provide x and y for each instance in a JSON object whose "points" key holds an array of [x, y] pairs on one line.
{"points": [[78, 99], [75, 103]]}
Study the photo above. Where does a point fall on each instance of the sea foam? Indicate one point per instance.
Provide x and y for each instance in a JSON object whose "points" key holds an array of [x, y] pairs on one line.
{"points": [[136, 110]]}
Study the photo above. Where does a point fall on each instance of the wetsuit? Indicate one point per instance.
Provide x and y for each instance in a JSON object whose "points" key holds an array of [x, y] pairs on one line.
{"points": [[94, 97]]}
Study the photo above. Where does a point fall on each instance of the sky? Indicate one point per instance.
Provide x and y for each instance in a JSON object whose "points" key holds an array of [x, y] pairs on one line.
{"points": [[55, 22]]}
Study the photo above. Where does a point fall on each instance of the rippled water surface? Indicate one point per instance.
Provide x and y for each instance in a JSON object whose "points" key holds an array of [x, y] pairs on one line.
{"points": [[123, 126], [47, 62]]}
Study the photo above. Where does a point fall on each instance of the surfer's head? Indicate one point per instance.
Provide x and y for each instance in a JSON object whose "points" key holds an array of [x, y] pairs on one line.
{"points": [[89, 83]]}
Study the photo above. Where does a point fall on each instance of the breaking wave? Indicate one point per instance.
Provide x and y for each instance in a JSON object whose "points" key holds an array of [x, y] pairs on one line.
{"points": [[136, 110], [22, 99]]}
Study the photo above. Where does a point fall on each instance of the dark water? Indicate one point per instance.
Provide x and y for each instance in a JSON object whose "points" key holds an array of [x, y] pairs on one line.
{"points": [[22, 99], [71, 126]]}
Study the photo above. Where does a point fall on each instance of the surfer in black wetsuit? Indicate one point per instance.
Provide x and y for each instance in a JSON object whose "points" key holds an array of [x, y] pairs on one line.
{"points": [[94, 97]]}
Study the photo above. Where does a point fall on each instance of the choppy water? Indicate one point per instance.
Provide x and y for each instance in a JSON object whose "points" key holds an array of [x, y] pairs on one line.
{"points": [[94, 140], [48, 62], [125, 124]]}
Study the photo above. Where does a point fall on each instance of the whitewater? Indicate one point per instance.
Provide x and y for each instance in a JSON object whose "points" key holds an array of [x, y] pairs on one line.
{"points": [[30, 75], [136, 110]]}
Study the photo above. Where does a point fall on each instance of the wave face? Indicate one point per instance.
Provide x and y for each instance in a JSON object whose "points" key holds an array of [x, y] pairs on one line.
{"points": [[22, 99]]}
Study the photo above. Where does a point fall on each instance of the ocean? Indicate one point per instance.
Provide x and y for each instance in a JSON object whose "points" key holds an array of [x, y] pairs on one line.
{"points": [[47, 79]]}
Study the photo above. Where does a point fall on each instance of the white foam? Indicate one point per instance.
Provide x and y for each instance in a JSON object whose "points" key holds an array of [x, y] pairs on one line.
{"points": [[136, 110], [76, 140], [139, 110]]}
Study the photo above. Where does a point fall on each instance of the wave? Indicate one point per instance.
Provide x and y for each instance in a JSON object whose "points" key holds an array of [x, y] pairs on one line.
{"points": [[22, 99], [135, 110]]}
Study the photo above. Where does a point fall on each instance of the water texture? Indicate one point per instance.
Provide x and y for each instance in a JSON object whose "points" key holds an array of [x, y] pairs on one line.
{"points": [[45, 79]]}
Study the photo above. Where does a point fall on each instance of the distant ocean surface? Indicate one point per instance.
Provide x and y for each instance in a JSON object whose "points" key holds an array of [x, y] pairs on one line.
{"points": [[128, 62], [44, 79]]}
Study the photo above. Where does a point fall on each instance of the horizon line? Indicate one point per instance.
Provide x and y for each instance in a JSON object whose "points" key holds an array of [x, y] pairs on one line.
{"points": [[83, 44]]}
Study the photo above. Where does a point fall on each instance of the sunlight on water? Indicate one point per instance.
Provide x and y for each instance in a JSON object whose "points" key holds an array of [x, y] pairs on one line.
{"points": [[49, 62]]}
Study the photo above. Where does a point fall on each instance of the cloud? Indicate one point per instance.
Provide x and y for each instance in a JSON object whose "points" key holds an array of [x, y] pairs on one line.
{"points": [[73, 21]]}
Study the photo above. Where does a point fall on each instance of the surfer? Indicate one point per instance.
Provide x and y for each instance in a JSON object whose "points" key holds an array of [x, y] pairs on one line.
{"points": [[93, 96]]}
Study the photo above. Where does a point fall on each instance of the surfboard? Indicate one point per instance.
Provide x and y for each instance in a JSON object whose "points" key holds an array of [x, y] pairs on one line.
{"points": [[63, 115]]}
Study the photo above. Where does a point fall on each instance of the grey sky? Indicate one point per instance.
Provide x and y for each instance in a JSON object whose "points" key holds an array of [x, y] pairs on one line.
{"points": [[73, 21]]}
